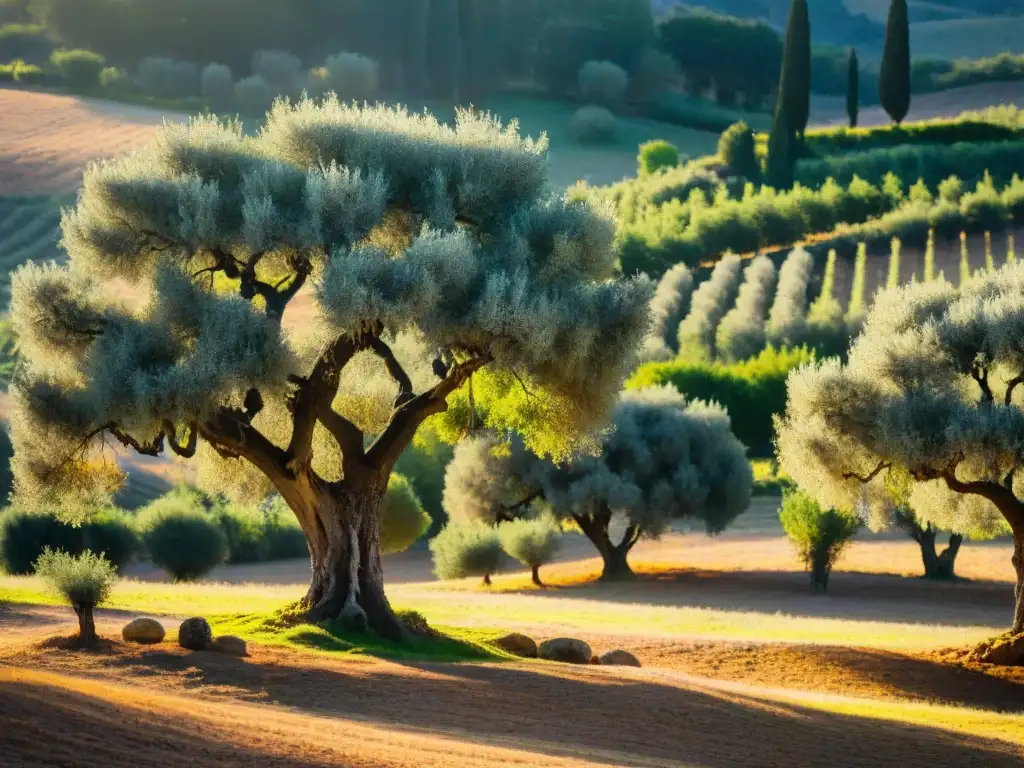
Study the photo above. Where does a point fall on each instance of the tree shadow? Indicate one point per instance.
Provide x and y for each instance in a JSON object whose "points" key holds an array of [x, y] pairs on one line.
{"points": [[589, 712], [44, 724], [852, 596]]}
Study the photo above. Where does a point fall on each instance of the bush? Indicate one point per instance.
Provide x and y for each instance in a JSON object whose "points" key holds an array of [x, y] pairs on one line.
{"points": [[351, 76], [593, 125], [655, 156], [653, 73], [243, 528], [423, 464], [84, 581], [24, 535], [29, 74], [24, 41], [532, 542], [113, 79], [253, 96], [736, 148], [167, 78], [692, 112], [79, 68], [466, 549], [752, 392], [279, 69], [603, 82], [217, 85], [284, 537], [182, 539], [818, 535], [403, 519]]}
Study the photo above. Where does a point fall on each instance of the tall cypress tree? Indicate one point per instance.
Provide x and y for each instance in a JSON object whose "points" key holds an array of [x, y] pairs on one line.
{"points": [[894, 78], [781, 165], [853, 89], [792, 106]]}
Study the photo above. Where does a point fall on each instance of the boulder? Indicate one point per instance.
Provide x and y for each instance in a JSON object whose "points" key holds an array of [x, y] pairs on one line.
{"points": [[231, 645], [620, 659], [519, 645], [565, 649], [595, 660], [143, 630], [195, 634]]}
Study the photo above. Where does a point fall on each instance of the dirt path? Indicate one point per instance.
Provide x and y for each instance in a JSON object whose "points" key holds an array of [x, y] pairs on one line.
{"points": [[169, 707]]}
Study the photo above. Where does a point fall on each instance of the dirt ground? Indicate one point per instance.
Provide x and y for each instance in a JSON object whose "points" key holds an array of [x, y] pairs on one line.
{"points": [[165, 706]]}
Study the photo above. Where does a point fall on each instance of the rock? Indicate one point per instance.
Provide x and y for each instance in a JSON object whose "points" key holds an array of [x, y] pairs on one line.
{"points": [[620, 659], [595, 660], [195, 634], [231, 645], [518, 644], [143, 630], [1006, 651], [565, 649]]}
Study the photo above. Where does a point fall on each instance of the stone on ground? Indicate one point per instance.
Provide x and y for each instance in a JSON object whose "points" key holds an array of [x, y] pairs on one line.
{"points": [[143, 630], [195, 634], [620, 658], [565, 649], [518, 644], [231, 645]]}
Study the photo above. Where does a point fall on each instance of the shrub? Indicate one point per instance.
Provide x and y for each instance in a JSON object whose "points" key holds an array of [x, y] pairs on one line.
{"points": [[603, 82], [593, 125], [736, 148], [166, 78], [653, 73], [466, 549], [84, 581], [818, 535], [29, 74], [284, 537], [423, 464], [24, 41], [740, 335], [79, 68], [708, 304], [532, 542], [351, 76], [217, 84], [279, 69], [181, 538], [113, 79], [403, 519], [253, 96], [24, 535], [692, 112], [243, 528], [655, 156], [787, 319]]}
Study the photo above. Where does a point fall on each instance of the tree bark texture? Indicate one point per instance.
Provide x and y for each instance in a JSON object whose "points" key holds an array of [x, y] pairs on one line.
{"points": [[1018, 566], [614, 556], [86, 625]]}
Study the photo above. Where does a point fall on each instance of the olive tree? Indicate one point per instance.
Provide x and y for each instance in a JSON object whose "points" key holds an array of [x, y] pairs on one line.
{"points": [[663, 459], [930, 390], [427, 252]]}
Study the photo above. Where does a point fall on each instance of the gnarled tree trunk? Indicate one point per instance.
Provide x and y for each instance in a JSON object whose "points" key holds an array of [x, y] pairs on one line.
{"points": [[1018, 566], [614, 556], [86, 625], [535, 574]]}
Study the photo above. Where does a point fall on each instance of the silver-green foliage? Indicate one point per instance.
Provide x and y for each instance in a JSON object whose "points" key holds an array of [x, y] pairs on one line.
{"points": [[352, 76], [670, 305], [603, 82], [465, 549], [929, 390], [787, 320], [182, 537], [819, 535], [593, 124], [416, 233], [402, 517], [533, 542], [279, 69], [253, 95], [663, 459], [709, 304], [740, 335], [826, 326], [85, 580]]}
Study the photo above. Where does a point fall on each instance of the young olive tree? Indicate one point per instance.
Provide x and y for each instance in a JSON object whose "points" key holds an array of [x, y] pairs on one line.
{"points": [[664, 459], [670, 305], [930, 390], [708, 305], [787, 320], [421, 242], [740, 335]]}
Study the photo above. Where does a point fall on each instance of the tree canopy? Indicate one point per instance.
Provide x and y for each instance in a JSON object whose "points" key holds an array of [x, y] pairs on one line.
{"points": [[412, 240], [930, 389], [663, 459]]}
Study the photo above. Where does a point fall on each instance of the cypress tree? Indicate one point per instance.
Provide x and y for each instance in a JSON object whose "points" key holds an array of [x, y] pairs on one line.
{"points": [[853, 89], [792, 106], [894, 78], [781, 165], [893, 278], [798, 39]]}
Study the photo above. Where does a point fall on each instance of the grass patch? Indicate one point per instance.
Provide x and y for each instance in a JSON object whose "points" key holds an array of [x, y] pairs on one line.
{"points": [[448, 644]]}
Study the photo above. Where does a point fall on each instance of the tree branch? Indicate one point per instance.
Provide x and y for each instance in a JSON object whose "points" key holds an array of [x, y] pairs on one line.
{"points": [[980, 375], [523, 385], [348, 436], [508, 512], [406, 420], [1012, 385], [234, 438], [395, 370], [867, 478], [153, 448], [312, 399]]}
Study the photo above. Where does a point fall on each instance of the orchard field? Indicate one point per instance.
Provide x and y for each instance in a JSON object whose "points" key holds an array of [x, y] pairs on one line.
{"points": [[565, 383]]}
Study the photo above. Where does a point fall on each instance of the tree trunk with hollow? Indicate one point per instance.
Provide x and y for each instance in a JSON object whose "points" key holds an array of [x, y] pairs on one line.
{"points": [[86, 625], [941, 566], [614, 556]]}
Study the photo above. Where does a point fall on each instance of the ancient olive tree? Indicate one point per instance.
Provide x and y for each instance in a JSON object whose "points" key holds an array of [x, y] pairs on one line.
{"points": [[663, 459], [422, 252], [930, 389]]}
